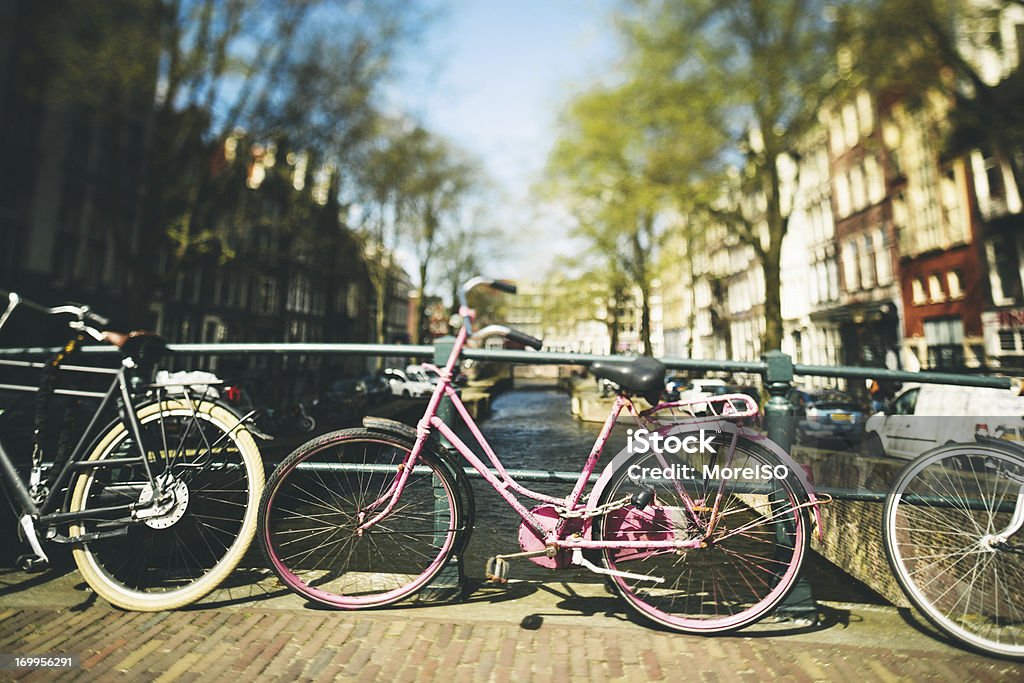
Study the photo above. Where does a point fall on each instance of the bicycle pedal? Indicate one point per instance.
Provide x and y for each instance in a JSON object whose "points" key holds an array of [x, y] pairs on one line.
{"points": [[496, 570], [32, 564]]}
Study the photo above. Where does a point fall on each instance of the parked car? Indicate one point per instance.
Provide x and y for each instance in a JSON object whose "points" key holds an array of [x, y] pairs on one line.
{"points": [[827, 415], [922, 416], [340, 404], [375, 387], [404, 385], [673, 385]]}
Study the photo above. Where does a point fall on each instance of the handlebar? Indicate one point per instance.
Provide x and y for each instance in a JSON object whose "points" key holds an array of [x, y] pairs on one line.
{"points": [[510, 334], [506, 286], [80, 312]]}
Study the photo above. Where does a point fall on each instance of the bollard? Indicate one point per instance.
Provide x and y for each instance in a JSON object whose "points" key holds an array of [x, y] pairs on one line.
{"points": [[778, 422], [450, 581]]}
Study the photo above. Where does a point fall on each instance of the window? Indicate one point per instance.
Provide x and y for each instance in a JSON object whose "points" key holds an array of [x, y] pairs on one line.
{"points": [[867, 274], [858, 194], [842, 195], [865, 112], [945, 339], [1004, 270], [850, 125], [267, 296], [873, 178], [954, 283], [905, 404], [835, 129], [935, 293], [851, 278], [918, 291], [883, 266]]}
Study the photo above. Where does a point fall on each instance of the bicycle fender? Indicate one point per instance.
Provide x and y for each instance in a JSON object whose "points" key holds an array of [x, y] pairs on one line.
{"points": [[724, 427]]}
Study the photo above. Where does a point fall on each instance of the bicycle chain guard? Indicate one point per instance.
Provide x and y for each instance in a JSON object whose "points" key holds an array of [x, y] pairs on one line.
{"points": [[549, 519]]}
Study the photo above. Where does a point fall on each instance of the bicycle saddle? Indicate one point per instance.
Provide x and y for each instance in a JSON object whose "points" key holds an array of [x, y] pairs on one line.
{"points": [[642, 375], [144, 347]]}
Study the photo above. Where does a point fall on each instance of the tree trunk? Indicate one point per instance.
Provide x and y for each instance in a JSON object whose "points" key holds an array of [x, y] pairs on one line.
{"points": [[421, 330], [772, 338]]}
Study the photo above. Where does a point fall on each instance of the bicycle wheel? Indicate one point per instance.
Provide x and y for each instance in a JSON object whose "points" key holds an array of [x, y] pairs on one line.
{"points": [[943, 520], [750, 550], [184, 550], [321, 493]]}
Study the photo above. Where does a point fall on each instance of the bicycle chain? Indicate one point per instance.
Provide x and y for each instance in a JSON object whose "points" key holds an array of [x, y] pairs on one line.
{"points": [[587, 513]]}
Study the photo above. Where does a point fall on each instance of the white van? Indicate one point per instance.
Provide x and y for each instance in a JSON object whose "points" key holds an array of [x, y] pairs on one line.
{"points": [[922, 416]]}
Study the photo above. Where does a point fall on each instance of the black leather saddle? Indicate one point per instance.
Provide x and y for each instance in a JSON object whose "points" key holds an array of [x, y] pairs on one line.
{"points": [[643, 375]]}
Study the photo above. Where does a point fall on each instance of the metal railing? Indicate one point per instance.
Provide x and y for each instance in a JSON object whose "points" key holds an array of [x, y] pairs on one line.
{"points": [[776, 368]]}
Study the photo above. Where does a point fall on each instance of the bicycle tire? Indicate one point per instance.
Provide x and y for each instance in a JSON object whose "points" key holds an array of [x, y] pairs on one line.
{"points": [[311, 508], [176, 558], [747, 564], [939, 522]]}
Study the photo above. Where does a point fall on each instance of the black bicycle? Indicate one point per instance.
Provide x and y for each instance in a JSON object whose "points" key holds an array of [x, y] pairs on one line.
{"points": [[158, 498]]}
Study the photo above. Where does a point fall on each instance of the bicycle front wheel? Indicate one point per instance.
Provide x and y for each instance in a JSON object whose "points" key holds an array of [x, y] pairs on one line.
{"points": [[175, 552], [945, 528], [741, 513], [321, 494]]}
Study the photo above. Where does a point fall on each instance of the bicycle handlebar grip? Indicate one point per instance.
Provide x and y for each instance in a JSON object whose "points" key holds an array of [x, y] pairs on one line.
{"points": [[98, 319], [505, 286], [524, 339]]}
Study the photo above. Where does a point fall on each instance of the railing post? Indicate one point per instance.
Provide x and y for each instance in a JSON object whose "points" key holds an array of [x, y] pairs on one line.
{"points": [[778, 419], [450, 581], [778, 380]]}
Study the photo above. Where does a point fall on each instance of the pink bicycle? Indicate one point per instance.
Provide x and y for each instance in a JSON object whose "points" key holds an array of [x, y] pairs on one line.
{"points": [[701, 524]]}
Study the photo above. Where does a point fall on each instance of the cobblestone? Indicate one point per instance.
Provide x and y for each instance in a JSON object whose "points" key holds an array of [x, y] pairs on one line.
{"points": [[572, 632]]}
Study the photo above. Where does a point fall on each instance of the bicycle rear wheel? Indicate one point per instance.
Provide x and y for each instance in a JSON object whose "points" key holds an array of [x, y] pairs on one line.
{"points": [[321, 493], [178, 555], [746, 563], [943, 522]]}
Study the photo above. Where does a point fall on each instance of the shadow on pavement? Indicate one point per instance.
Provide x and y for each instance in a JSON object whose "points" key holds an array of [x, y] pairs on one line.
{"points": [[15, 580]]}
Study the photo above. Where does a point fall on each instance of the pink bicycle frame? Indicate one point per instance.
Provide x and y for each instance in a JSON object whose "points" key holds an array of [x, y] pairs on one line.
{"points": [[503, 483]]}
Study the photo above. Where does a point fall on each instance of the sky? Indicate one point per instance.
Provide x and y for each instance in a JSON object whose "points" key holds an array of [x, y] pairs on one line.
{"points": [[493, 76]]}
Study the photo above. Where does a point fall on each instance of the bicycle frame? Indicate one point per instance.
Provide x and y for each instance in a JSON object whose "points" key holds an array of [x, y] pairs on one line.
{"points": [[47, 512], [503, 483]]}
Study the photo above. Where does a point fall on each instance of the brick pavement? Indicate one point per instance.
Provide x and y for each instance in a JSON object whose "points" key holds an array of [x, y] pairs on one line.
{"points": [[572, 632]]}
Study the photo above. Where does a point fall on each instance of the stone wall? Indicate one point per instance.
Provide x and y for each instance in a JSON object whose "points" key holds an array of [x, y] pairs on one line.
{"points": [[852, 530]]}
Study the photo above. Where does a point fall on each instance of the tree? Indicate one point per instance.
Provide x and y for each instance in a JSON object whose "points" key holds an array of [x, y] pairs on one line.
{"points": [[438, 182], [159, 87], [582, 290], [608, 165], [751, 75]]}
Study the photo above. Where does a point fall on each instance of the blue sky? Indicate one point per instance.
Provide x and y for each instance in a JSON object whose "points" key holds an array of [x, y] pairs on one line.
{"points": [[493, 77]]}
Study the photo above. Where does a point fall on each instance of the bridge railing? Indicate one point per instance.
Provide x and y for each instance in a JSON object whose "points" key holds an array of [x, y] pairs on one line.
{"points": [[776, 368]]}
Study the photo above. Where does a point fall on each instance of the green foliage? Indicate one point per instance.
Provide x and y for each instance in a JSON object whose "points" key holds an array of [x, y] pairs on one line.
{"points": [[714, 94]]}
